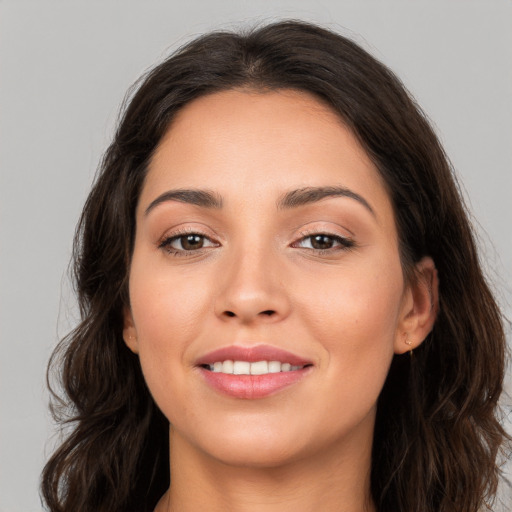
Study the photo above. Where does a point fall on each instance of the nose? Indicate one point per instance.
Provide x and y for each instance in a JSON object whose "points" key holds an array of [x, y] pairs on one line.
{"points": [[253, 289]]}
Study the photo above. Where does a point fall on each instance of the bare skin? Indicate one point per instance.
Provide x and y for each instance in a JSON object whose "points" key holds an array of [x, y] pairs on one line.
{"points": [[286, 488], [295, 247]]}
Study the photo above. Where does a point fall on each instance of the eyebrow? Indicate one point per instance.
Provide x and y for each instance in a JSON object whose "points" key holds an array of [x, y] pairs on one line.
{"points": [[203, 198], [308, 195], [292, 199]]}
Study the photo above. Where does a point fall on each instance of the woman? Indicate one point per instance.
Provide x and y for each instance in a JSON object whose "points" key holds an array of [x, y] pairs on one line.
{"points": [[282, 305]]}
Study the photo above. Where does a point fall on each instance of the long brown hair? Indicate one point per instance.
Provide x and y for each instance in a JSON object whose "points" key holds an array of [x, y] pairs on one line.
{"points": [[437, 434]]}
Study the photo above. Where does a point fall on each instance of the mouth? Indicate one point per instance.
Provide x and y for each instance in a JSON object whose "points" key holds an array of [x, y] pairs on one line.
{"points": [[252, 372], [230, 367]]}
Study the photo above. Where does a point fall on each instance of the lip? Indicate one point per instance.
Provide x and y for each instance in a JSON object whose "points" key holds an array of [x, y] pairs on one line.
{"points": [[252, 387], [252, 355]]}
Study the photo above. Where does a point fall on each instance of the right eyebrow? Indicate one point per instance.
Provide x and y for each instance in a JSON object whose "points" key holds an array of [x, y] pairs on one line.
{"points": [[198, 197], [308, 195]]}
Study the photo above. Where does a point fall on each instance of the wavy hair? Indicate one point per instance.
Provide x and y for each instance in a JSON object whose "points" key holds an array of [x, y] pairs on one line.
{"points": [[437, 434]]}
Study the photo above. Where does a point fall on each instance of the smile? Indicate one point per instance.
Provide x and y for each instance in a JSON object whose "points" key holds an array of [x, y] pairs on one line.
{"points": [[252, 372], [248, 368]]}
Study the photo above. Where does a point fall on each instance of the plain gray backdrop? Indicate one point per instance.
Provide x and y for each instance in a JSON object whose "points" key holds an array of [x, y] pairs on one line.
{"points": [[64, 69]]}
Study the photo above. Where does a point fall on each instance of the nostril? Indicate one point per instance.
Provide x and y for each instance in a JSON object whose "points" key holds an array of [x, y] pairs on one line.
{"points": [[267, 312]]}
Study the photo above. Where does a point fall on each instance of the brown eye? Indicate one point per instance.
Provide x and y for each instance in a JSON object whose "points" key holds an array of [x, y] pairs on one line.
{"points": [[186, 243], [191, 242], [324, 242]]}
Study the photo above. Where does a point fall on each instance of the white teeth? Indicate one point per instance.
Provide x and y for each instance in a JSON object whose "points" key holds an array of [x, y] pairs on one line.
{"points": [[241, 368], [274, 367], [259, 368], [247, 368], [227, 366]]}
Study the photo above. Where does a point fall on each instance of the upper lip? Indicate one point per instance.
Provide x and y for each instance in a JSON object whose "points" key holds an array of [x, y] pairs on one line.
{"points": [[252, 354]]}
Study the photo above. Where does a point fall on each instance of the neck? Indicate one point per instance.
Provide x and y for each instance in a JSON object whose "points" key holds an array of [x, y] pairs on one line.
{"points": [[336, 480]]}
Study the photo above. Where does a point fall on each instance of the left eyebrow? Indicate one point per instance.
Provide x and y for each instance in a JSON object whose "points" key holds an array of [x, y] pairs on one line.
{"points": [[198, 197], [308, 195]]}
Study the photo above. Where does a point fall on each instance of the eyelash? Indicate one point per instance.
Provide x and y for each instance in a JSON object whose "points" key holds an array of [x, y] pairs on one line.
{"points": [[344, 243], [165, 244]]}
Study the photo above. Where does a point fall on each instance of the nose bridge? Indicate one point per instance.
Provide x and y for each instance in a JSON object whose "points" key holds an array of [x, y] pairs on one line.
{"points": [[252, 287]]}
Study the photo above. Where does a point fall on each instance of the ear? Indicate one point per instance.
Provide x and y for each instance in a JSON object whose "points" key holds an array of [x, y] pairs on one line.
{"points": [[129, 332], [419, 308]]}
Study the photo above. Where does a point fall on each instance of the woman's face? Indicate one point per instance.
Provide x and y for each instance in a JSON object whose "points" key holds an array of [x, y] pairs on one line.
{"points": [[265, 235]]}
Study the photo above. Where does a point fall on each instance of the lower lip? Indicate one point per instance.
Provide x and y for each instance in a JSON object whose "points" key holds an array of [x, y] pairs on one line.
{"points": [[251, 387]]}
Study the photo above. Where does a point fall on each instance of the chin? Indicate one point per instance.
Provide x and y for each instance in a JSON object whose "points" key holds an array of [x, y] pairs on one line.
{"points": [[260, 444], [263, 442], [257, 454]]}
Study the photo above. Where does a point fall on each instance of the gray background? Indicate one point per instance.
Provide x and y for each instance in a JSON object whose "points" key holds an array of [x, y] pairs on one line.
{"points": [[64, 69]]}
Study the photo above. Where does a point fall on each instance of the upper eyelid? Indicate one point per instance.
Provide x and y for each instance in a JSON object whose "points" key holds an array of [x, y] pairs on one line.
{"points": [[307, 233], [179, 234], [302, 234], [178, 231], [331, 235], [325, 227]]}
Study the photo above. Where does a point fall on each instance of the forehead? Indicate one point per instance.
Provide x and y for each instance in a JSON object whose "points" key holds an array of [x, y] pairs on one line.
{"points": [[261, 144]]}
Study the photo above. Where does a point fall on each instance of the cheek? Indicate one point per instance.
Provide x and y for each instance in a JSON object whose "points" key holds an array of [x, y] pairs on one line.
{"points": [[167, 312], [354, 318], [358, 303], [166, 300]]}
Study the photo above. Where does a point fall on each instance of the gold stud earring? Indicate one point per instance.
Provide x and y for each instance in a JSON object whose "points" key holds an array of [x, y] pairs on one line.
{"points": [[408, 342]]}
